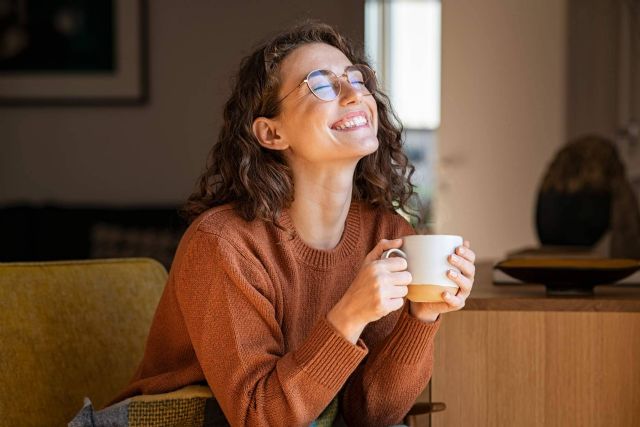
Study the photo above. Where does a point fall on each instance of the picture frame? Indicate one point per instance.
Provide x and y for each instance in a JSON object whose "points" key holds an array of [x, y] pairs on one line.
{"points": [[101, 61]]}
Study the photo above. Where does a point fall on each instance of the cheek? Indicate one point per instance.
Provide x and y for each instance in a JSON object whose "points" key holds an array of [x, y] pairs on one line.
{"points": [[305, 120], [314, 114]]}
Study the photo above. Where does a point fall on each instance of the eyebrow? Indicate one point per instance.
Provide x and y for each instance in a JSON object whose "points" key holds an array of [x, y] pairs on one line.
{"points": [[337, 73]]}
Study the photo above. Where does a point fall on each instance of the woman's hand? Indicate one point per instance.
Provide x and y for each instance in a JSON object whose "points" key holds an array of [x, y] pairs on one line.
{"points": [[378, 289], [464, 259]]}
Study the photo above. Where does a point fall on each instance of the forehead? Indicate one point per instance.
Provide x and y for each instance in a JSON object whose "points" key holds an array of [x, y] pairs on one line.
{"points": [[309, 57]]}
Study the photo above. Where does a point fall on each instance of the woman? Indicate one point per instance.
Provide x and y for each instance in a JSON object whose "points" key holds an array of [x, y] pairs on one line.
{"points": [[277, 296]]}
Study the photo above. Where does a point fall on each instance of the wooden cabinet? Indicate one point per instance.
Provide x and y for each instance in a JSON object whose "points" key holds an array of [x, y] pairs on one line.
{"points": [[513, 357]]}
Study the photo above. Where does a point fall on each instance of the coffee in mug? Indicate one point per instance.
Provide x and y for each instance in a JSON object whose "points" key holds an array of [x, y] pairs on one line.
{"points": [[427, 261]]}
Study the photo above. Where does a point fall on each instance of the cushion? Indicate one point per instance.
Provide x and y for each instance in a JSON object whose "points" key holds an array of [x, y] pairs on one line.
{"points": [[190, 406]]}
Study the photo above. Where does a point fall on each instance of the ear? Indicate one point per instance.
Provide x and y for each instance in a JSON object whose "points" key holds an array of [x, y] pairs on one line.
{"points": [[268, 134]]}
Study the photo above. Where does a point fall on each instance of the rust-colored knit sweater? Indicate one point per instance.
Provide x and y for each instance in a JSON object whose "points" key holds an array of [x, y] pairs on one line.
{"points": [[244, 309]]}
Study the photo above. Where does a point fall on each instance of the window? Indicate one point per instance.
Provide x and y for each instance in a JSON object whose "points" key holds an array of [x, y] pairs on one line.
{"points": [[402, 39]]}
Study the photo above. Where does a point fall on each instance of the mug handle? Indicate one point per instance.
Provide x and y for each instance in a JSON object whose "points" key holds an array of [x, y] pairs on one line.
{"points": [[386, 254]]}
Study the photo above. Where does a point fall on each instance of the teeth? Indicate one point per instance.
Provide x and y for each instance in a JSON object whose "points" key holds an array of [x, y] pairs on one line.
{"points": [[356, 121]]}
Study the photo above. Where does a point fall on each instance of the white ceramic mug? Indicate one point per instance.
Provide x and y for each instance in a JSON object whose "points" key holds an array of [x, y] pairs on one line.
{"points": [[427, 262]]}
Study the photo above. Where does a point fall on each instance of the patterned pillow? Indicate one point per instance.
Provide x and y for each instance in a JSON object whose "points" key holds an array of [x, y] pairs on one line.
{"points": [[116, 241], [191, 406]]}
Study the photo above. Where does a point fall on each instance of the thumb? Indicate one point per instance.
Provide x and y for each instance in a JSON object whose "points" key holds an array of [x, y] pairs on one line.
{"points": [[382, 246]]}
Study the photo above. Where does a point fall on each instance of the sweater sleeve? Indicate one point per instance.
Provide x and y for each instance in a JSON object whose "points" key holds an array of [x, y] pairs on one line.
{"points": [[227, 302], [383, 389]]}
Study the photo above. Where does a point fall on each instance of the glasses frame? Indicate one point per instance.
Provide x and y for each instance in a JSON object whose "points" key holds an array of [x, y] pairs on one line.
{"points": [[339, 77]]}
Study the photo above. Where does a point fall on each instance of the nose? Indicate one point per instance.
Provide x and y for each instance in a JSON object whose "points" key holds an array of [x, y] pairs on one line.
{"points": [[349, 94]]}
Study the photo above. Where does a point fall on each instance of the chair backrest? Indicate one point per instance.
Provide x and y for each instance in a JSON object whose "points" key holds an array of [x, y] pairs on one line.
{"points": [[71, 329]]}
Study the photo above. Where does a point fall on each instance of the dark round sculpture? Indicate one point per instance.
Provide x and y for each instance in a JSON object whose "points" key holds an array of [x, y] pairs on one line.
{"points": [[575, 199], [572, 219]]}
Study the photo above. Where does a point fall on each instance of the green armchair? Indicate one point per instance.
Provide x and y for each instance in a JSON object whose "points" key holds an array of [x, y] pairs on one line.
{"points": [[71, 329]]}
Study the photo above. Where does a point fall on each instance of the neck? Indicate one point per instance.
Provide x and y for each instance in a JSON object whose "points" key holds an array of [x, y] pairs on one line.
{"points": [[322, 199]]}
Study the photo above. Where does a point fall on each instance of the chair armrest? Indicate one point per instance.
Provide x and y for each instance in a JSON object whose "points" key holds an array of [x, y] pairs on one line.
{"points": [[426, 408]]}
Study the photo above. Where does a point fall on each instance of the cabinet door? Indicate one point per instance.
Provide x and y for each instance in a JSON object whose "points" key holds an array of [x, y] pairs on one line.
{"points": [[510, 368]]}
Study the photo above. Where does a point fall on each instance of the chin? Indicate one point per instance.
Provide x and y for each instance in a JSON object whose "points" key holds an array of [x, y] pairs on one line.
{"points": [[368, 145], [362, 150], [356, 146]]}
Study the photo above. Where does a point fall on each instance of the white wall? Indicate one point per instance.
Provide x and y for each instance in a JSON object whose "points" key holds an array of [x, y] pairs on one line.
{"points": [[151, 154], [503, 117]]}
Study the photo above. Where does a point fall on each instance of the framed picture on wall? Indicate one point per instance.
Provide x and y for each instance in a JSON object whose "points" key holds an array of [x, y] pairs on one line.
{"points": [[73, 52]]}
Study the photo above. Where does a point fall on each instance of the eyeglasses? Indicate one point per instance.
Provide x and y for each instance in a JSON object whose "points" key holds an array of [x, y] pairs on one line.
{"points": [[326, 86]]}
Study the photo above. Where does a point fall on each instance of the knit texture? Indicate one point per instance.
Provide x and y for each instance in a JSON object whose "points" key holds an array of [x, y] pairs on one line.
{"points": [[244, 310]]}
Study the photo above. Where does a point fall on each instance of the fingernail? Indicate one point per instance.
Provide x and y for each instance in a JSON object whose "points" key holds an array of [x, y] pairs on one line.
{"points": [[453, 273], [461, 250], [454, 259]]}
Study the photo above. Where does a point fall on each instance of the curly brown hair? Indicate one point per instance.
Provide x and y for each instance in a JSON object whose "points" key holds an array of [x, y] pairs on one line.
{"points": [[256, 180]]}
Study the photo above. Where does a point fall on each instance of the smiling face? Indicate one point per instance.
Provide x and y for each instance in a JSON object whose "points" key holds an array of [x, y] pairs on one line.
{"points": [[313, 130]]}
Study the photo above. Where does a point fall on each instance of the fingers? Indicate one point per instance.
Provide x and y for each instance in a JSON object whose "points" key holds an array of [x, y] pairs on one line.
{"points": [[466, 267], [396, 304], [398, 291], [400, 278], [455, 302], [393, 264], [464, 283], [382, 246], [466, 253]]}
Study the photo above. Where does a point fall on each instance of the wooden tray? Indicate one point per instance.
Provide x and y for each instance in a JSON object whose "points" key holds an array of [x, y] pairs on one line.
{"points": [[569, 276]]}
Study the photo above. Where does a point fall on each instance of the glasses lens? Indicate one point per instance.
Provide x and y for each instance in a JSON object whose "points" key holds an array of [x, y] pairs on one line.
{"points": [[324, 84], [362, 78]]}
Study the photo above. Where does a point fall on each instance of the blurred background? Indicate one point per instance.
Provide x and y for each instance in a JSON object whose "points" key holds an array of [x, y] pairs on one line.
{"points": [[108, 108]]}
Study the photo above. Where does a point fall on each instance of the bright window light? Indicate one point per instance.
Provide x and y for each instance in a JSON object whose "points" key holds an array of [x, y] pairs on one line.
{"points": [[402, 37]]}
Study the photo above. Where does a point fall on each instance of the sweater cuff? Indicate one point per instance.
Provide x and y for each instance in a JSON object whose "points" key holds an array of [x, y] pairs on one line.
{"points": [[411, 340], [328, 357]]}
